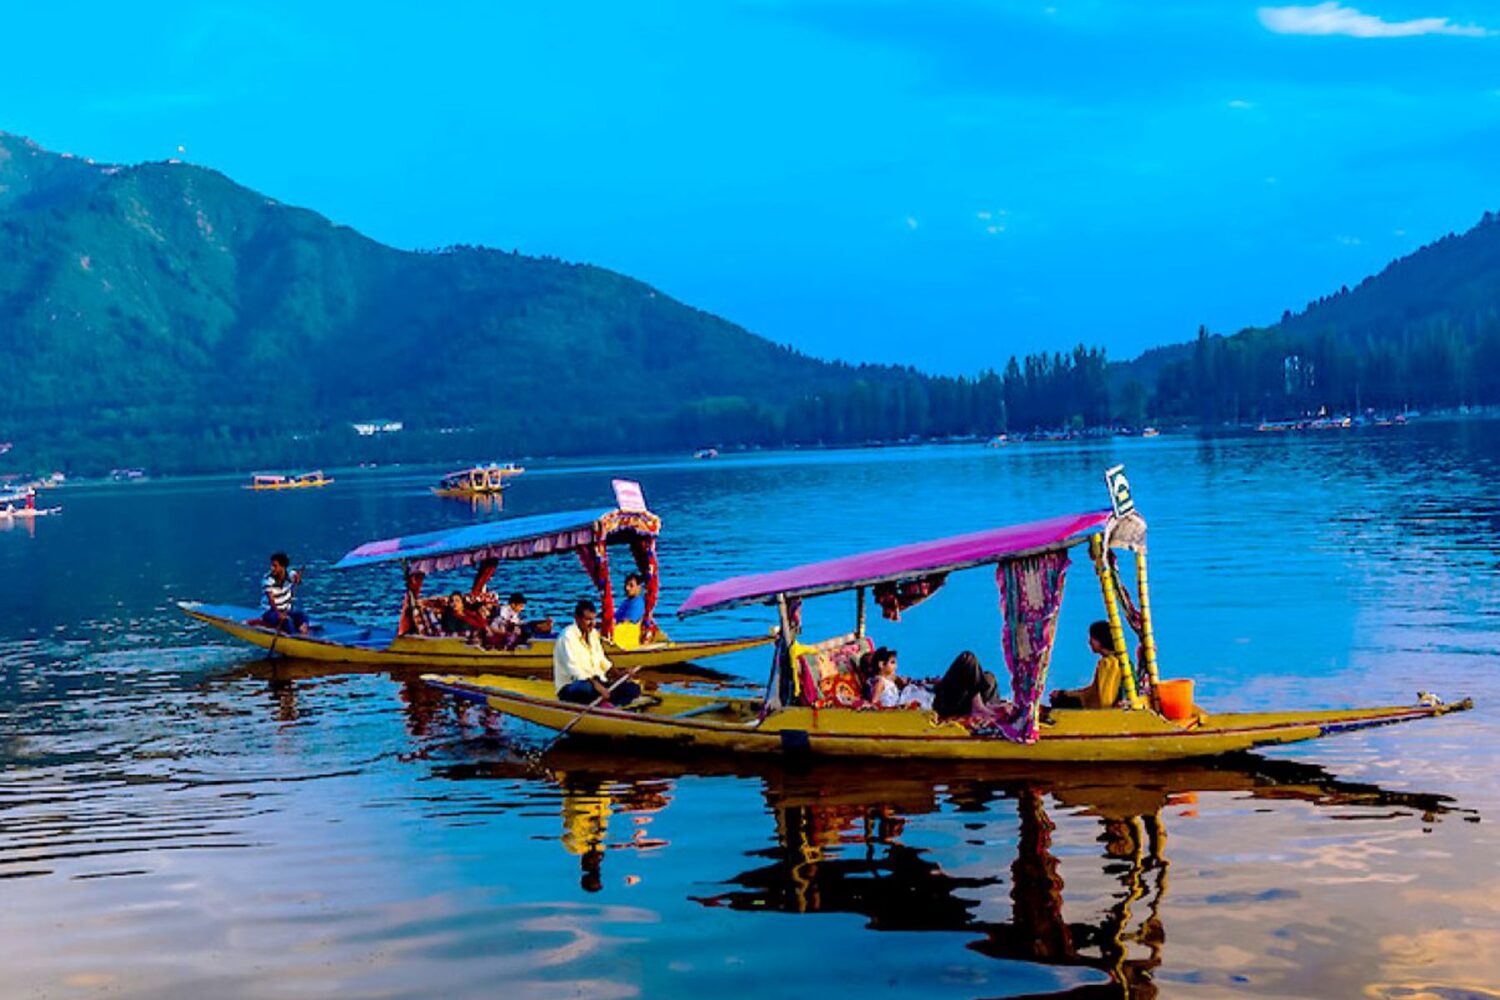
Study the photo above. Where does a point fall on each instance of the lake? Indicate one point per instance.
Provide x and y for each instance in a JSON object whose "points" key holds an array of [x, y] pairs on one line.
{"points": [[180, 817]]}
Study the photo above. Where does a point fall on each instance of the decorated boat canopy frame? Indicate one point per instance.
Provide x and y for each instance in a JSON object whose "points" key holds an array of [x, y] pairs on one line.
{"points": [[901, 563], [501, 541]]}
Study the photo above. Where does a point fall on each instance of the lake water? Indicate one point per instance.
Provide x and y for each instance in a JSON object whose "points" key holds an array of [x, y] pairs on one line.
{"points": [[180, 817]]}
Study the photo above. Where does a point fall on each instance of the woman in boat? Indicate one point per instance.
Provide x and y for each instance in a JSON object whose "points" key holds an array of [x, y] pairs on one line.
{"points": [[1104, 690], [886, 690]]}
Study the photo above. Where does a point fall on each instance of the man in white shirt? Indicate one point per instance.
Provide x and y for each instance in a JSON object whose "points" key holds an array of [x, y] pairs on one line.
{"points": [[580, 670]]}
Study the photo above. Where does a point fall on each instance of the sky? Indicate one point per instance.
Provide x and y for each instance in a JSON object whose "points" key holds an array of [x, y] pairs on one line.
{"points": [[941, 183]]}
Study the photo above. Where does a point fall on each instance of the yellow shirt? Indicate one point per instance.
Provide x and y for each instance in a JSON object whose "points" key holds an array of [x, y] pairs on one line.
{"points": [[1104, 691]]}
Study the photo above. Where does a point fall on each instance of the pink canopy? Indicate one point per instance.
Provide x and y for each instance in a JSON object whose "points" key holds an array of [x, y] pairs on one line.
{"points": [[899, 563]]}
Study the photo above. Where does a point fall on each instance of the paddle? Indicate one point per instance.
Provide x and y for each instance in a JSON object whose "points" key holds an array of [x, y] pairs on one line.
{"points": [[587, 709], [286, 619]]}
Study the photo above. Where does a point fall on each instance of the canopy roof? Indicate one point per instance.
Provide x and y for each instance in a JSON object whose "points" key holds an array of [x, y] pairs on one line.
{"points": [[899, 563], [514, 538]]}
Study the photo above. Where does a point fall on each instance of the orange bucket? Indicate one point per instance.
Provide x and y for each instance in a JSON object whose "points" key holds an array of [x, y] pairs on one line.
{"points": [[1176, 699]]}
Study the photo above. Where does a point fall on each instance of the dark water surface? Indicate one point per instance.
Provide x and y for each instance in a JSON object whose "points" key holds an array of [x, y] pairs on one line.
{"points": [[179, 817]]}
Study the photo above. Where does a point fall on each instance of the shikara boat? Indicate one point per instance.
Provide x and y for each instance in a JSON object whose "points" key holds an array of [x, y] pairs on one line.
{"points": [[808, 707], [301, 481], [581, 535], [480, 480]]}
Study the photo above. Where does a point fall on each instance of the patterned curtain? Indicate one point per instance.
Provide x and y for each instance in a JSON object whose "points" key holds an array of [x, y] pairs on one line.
{"points": [[896, 596], [595, 559], [643, 548], [1031, 590]]}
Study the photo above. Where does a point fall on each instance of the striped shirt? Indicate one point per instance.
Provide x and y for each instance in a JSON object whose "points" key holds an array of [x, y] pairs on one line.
{"points": [[278, 595]]}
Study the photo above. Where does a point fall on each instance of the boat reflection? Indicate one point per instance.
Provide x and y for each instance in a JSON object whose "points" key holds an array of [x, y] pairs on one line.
{"points": [[838, 844]]}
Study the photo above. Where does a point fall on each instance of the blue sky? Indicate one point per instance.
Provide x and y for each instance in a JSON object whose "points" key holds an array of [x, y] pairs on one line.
{"points": [[939, 183]]}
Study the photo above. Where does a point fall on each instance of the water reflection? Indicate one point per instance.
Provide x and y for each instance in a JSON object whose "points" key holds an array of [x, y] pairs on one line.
{"points": [[841, 832]]}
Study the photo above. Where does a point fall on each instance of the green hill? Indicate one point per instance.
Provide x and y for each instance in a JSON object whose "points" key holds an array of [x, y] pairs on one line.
{"points": [[162, 315], [1424, 332]]}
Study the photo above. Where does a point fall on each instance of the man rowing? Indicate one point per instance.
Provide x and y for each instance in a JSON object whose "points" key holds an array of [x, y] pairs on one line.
{"points": [[280, 587], [580, 670]]}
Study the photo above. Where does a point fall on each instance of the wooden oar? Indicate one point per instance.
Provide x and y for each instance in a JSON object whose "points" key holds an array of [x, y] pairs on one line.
{"points": [[287, 620], [586, 710]]}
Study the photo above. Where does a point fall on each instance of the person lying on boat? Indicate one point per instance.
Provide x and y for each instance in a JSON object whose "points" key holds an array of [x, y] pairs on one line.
{"points": [[280, 587], [1104, 690], [886, 690], [966, 689], [580, 671]]}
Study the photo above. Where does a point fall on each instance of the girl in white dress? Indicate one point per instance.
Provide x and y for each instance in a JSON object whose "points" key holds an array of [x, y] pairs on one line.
{"points": [[889, 691]]}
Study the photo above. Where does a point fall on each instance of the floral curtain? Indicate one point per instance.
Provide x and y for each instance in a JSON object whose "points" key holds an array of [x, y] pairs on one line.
{"points": [[896, 596], [1031, 590]]}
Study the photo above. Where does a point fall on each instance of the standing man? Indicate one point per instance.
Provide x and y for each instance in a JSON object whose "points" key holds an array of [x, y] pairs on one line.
{"points": [[280, 585], [580, 671]]}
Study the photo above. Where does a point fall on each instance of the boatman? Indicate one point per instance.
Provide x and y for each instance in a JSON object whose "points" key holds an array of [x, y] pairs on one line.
{"points": [[580, 670], [280, 586]]}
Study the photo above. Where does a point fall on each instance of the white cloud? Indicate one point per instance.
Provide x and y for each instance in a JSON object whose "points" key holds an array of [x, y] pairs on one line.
{"points": [[1334, 18], [1240, 105], [986, 215], [1349, 241], [911, 222]]}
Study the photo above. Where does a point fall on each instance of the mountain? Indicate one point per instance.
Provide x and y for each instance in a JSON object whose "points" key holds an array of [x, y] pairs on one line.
{"points": [[1423, 332], [163, 315]]}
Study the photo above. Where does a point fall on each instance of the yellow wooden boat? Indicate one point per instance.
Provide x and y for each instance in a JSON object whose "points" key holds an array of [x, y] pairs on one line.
{"points": [[486, 545], [335, 641], [303, 481], [736, 725], [811, 706], [478, 481]]}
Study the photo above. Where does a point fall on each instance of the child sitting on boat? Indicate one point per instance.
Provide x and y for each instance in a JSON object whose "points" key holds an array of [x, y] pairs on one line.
{"points": [[886, 690]]}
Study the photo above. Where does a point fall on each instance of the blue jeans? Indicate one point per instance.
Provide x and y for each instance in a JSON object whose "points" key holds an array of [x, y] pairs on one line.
{"points": [[583, 693], [291, 621]]}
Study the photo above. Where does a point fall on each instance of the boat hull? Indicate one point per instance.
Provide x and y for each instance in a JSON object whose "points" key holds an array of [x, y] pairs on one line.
{"points": [[344, 642], [683, 720]]}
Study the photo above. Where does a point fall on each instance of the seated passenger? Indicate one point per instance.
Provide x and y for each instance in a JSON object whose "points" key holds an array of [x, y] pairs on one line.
{"points": [[580, 670], [633, 607], [280, 587], [458, 618], [886, 690], [966, 689], [509, 627], [1104, 690]]}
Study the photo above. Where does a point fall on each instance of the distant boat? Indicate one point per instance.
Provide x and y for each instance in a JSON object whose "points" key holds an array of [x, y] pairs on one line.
{"points": [[127, 475], [706, 453], [27, 509], [275, 481], [998, 441], [479, 480], [1150, 432]]}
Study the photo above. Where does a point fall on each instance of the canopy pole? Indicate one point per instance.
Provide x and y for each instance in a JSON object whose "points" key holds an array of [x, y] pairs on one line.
{"points": [[1112, 612], [859, 612], [787, 638], [1148, 637]]}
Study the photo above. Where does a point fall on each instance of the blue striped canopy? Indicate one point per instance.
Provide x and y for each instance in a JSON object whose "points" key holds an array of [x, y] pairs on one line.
{"points": [[515, 538]]}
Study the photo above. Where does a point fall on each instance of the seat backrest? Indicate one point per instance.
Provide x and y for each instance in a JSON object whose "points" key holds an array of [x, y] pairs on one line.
{"points": [[829, 672]]}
